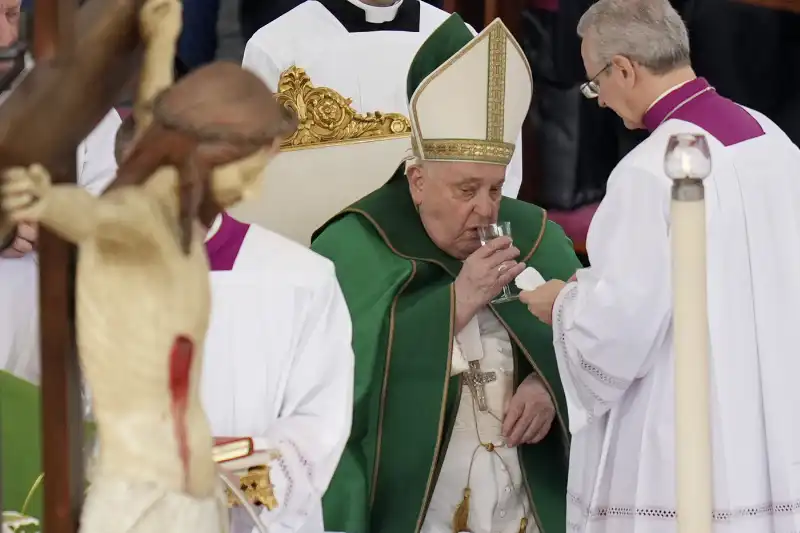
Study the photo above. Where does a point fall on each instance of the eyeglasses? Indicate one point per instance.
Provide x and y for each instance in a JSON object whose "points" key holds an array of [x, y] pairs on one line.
{"points": [[591, 89]]}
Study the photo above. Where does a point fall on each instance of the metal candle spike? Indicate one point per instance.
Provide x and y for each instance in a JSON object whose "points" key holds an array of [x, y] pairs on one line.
{"points": [[687, 162]]}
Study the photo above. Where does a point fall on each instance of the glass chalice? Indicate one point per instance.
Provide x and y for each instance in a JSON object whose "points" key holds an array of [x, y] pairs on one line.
{"points": [[493, 231]]}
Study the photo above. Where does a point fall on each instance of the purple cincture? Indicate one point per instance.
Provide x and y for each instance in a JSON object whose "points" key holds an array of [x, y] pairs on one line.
{"points": [[696, 102]]}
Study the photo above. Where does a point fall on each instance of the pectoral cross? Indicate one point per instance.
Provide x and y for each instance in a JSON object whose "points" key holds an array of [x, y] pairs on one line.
{"points": [[476, 381]]}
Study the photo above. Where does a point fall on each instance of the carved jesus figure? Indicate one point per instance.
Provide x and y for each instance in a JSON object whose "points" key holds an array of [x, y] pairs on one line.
{"points": [[142, 289]]}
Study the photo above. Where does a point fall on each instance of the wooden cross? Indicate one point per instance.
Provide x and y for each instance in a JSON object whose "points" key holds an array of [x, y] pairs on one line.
{"points": [[84, 59], [476, 381]]}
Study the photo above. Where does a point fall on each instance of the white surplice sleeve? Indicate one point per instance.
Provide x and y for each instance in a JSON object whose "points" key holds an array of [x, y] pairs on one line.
{"points": [[606, 324], [258, 61], [97, 164], [316, 414]]}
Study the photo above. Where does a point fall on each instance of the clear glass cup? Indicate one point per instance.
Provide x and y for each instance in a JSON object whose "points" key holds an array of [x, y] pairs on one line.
{"points": [[487, 233]]}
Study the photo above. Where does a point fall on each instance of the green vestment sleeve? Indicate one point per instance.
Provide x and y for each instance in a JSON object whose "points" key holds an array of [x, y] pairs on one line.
{"points": [[20, 442], [369, 275]]}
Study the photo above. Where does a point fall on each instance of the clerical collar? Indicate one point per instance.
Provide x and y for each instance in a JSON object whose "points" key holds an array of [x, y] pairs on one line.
{"points": [[676, 97], [223, 245], [358, 17]]}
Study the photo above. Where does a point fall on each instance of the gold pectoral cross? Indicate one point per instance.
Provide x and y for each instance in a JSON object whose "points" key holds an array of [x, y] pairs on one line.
{"points": [[476, 381]]}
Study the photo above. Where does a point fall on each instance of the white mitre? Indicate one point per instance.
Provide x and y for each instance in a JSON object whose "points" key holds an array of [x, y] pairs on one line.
{"points": [[468, 96]]}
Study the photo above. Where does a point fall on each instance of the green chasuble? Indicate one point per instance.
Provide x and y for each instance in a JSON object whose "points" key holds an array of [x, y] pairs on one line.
{"points": [[399, 289], [20, 444]]}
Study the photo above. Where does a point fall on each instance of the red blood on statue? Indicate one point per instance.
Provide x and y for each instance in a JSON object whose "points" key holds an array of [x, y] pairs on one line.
{"points": [[180, 365]]}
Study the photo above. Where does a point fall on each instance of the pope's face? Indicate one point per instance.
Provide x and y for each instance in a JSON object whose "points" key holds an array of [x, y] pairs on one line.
{"points": [[454, 199], [235, 181]]}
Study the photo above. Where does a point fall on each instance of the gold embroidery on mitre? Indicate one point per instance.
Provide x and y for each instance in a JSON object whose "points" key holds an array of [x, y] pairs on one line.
{"points": [[326, 117], [467, 150], [496, 90]]}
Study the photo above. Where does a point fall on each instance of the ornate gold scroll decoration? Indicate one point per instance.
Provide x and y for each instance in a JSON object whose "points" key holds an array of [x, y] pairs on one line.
{"points": [[257, 487], [327, 117]]}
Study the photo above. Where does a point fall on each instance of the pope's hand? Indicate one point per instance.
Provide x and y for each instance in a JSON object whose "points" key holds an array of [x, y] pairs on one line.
{"points": [[23, 193], [530, 413], [540, 300], [161, 20], [485, 272]]}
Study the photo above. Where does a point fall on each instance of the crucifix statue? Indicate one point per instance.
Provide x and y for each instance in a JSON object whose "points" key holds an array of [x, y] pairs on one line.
{"points": [[141, 306], [73, 85]]}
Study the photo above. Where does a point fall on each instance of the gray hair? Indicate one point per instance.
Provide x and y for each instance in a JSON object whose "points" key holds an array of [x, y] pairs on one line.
{"points": [[649, 32]]}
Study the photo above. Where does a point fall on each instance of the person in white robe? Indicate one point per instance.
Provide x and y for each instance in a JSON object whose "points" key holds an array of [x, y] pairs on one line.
{"points": [[19, 272], [278, 365], [362, 49], [612, 323]]}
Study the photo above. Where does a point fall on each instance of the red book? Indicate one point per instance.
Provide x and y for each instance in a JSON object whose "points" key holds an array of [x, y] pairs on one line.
{"points": [[230, 448]]}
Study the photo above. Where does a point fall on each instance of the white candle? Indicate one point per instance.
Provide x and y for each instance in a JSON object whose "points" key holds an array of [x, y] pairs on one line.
{"points": [[690, 325]]}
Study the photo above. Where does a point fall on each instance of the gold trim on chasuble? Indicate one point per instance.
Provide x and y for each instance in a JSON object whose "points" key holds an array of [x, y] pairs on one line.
{"points": [[494, 149], [384, 385], [514, 338], [325, 117]]}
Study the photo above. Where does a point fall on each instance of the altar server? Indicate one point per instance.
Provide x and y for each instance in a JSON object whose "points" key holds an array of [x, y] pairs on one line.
{"points": [[278, 364]]}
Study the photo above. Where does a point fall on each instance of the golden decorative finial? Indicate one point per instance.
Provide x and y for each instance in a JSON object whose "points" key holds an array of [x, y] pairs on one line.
{"points": [[258, 488]]}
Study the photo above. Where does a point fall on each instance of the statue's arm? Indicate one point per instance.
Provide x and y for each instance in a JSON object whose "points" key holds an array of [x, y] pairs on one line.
{"points": [[160, 22], [125, 216]]}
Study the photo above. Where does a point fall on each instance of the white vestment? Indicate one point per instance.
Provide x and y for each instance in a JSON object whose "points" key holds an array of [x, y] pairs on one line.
{"points": [[19, 278], [613, 333], [368, 66], [279, 365], [498, 499]]}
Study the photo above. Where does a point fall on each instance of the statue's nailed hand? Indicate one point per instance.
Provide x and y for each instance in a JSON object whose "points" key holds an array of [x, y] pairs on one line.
{"points": [[23, 192], [160, 20]]}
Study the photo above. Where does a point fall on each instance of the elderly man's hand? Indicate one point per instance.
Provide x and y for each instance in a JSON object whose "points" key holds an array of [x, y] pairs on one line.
{"points": [[23, 242], [540, 300], [530, 413], [484, 274]]}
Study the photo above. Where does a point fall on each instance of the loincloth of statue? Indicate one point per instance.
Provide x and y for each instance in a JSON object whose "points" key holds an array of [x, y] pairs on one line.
{"points": [[122, 506]]}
